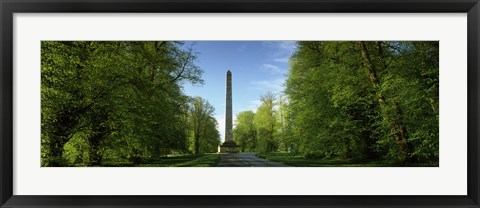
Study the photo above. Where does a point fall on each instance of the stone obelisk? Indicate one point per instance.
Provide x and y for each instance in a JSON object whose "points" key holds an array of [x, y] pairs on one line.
{"points": [[228, 109], [228, 145]]}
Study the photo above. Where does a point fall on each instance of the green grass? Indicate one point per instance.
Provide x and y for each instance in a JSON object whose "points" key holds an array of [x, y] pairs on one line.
{"points": [[206, 160], [300, 161]]}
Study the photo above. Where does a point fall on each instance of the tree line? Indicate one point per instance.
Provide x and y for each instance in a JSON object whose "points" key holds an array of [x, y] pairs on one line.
{"points": [[123, 100], [365, 101]]}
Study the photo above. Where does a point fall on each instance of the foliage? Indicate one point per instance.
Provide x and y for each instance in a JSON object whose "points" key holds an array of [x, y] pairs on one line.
{"points": [[205, 136], [117, 99], [266, 124], [365, 100], [245, 132], [121, 103], [353, 101]]}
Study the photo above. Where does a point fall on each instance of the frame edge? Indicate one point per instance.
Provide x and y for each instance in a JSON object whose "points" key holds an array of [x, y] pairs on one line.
{"points": [[6, 114], [6, 105], [473, 33]]}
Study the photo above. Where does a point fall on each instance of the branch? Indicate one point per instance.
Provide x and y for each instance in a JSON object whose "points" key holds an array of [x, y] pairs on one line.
{"points": [[184, 65]]}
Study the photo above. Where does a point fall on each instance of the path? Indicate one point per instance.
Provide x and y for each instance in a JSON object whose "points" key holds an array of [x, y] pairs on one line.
{"points": [[246, 160]]}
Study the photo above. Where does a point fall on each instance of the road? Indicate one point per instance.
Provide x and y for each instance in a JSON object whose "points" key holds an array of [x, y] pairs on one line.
{"points": [[246, 160]]}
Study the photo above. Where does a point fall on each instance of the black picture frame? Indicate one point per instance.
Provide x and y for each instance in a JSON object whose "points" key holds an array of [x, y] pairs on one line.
{"points": [[9, 7]]}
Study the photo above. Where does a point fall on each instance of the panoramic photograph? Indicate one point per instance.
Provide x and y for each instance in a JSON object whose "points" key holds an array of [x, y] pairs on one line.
{"points": [[239, 104]]}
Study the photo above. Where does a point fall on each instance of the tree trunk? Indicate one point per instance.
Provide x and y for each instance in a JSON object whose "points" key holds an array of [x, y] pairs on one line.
{"points": [[197, 141], [54, 158], [392, 118], [95, 140]]}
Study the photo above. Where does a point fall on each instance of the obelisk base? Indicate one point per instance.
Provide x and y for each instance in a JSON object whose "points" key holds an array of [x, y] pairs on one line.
{"points": [[229, 147]]}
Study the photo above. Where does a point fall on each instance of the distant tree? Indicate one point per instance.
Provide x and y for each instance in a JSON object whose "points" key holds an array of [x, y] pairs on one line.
{"points": [[211, 136], [203, 126], [245, 132], [266, 123], [283, 130]]}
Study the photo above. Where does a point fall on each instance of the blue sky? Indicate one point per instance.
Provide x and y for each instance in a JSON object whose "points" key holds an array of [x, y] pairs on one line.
{"points": [[257, 67]]}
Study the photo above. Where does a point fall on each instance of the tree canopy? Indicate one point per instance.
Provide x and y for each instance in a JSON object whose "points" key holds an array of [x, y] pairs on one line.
{"points": [[375, 100], [115, 99], [121, 102]]}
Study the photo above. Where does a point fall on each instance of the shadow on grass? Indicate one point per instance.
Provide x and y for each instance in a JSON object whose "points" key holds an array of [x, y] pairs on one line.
{"points": [[300, 161], [206, 160]]}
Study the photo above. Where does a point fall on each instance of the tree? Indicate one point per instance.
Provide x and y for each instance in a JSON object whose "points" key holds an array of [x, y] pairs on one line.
{"points": [[63, 103], [203, 124], [392, 117], [245, 132], [211, 136], [123, 99], [364, 100], [266, 124], [284, 130]]}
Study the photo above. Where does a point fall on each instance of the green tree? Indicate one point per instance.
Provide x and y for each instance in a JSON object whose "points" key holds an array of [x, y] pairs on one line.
{"points": [[266, 123], [211, 136], [245, 131], [123, 99], [203, 126], [364, 100]]}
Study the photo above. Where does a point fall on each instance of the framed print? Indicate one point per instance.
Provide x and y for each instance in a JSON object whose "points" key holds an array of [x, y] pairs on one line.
{"points": [[239, 104]]}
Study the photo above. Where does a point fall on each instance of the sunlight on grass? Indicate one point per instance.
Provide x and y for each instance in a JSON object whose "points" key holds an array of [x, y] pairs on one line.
{"points": [[209, 160]]}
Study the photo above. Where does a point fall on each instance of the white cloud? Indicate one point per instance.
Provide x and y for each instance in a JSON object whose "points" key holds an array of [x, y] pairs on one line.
{"points": [[287, 45], [274, 86], [241, 48], [255, 103], [272, 68], [251, 105], [282, 60], [283, 45], [282, 50]]}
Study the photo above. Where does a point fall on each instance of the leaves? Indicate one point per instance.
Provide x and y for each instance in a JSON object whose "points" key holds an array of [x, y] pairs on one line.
{"points": [[335, 111], [123, 98]]}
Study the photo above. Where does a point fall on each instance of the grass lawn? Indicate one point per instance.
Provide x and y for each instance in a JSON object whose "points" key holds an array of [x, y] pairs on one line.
{"points": [[206, 160], [300, 161]]}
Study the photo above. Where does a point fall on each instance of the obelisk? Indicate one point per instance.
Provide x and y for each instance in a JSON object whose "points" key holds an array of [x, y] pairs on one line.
{"points": [[228, 145], [228, 109]]}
